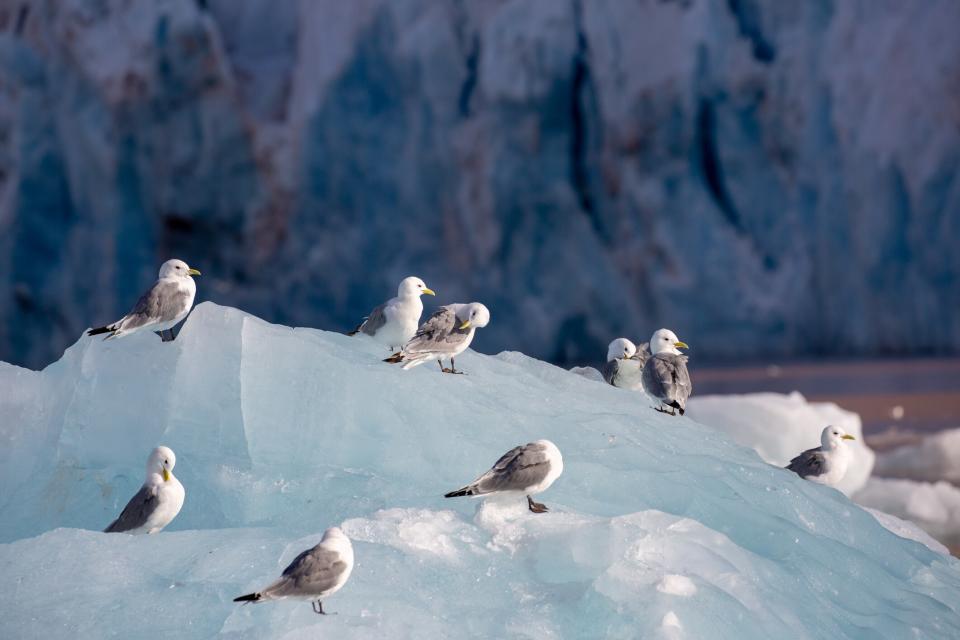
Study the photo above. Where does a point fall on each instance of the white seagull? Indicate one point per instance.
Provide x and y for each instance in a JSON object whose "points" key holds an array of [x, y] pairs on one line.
{"points": [[624, 367], [395, 321], [159, 500], [529, 469], [165, 304], [665, 375], [826, 464], [445, 334], [314, 575]]}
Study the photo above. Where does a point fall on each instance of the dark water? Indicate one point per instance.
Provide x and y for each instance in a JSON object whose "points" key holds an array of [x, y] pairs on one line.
{"points": [[898, 400]]}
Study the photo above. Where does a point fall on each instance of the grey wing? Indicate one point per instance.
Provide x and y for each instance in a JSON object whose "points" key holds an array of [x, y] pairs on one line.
{"points": [[314, 571], [665, 376], [375, 320], [809, 463], [433, 332], [136, 513], [517, 469], [610, 371], [162, 303]]}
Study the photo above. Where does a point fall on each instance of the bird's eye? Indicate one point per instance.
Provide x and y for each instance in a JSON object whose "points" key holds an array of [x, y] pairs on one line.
{"points": [[166, 462]]}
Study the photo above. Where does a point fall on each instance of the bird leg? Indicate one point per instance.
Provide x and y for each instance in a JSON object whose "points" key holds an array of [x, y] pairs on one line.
{"points": [[452, 369], [318, 608], [536, 507], [672, 411]]}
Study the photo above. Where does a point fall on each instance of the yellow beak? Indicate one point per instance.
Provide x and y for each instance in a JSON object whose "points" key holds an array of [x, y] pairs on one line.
{"points": [[847, 436], [193, 272], [429, 292], [166, 475], [681, 345], [466, 323]]}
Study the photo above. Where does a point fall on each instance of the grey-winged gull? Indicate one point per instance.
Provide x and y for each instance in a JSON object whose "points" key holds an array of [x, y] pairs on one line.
{"points": [[665, 375], [624, 367], [445, 334], [314, 575], [826, 464], [165, 304], [159, 500], [529, 469], [395, 321]]}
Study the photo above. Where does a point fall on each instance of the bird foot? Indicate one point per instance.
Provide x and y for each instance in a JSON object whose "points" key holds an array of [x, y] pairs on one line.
{"points": [[536, 507], [449, 370], [318, 609], [672, 412]]}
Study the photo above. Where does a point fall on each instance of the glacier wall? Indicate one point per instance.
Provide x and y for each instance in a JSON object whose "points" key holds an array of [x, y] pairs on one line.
{"points": [[660, 527], [767, 178]]}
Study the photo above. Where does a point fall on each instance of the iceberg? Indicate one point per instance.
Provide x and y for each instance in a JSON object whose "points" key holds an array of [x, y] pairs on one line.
{"points": [[660, 526]]}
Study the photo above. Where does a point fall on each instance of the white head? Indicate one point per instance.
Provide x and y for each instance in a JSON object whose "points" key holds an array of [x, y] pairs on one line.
{"points": [[413, 286], [666, 341], [161, 462], [621, 348], [473, 315], [335, 538], [176, 269], [832, 437]]}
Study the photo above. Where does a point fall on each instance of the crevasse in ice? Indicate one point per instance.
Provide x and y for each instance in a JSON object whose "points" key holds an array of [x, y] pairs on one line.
{"points": [[660, 527]]}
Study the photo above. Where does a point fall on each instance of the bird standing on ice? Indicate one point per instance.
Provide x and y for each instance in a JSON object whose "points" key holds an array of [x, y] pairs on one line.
{"points": [[529, 469], [395, 321], [826, 464], [159, 500], [665, 375], [625, 362], [445, 334], [315, 574], [167, 302]]}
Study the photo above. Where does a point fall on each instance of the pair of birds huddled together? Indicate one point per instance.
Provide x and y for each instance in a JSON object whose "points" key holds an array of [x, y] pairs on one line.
{"points": [[445, 335], [656, 367], [322, 570], [395, 323]]}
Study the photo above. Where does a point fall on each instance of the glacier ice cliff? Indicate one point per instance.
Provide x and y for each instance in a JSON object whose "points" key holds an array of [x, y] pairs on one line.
{"points": [[768, 178], [660, 527]]}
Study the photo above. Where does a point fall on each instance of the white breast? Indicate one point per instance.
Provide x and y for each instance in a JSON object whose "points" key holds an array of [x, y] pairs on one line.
{"points": [[629, 375], [170, 496]]}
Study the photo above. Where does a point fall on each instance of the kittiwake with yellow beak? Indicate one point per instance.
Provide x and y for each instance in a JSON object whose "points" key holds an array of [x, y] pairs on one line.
{"points": [[395, 321], [826, 464], [445, 334], [164, 305], [665, 374], [159, 500]]}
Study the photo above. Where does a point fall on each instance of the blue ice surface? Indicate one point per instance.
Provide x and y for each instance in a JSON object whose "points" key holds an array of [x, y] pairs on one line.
{"points": [[660, 527]]}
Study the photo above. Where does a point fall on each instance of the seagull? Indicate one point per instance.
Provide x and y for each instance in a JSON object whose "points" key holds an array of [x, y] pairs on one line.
{"points": [[395, 321], [167, 302], [625, 362], [529, 469], [445, 334], [315, 574], [826, 464], [665, 374], [159, 500]]}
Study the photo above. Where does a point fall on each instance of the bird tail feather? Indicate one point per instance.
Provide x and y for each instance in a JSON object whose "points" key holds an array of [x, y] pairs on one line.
{"points": [[250, 597], [357, 328], [469, 490]]}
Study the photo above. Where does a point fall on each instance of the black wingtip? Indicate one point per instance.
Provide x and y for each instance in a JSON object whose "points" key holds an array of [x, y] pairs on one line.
{"points": [[395, 358], [98, 331], [250, 597], [459, 492]]}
